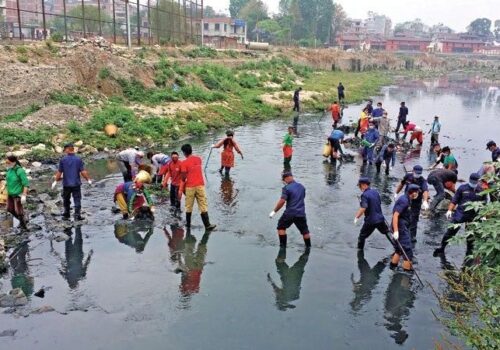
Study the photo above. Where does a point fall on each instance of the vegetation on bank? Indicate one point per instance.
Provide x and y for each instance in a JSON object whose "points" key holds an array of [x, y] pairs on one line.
{"points": [[225, 97], [472, 298]]}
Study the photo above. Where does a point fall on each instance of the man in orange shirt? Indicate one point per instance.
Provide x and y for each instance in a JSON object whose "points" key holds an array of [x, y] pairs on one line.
{"points": [[193, 184], [172, 172], [336, 115]]}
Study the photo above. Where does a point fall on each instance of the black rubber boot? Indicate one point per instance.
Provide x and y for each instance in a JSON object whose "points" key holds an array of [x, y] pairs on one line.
{"points": [[188, 220], [282, 241], [307, 242], [66, 215], [438, 252], [78, 215], [206, 222]]}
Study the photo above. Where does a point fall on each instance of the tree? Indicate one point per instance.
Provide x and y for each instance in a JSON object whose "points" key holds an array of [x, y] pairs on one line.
{"points": [[339, 19], [481, 28], [209, 12], [270, 29], [440, 28], [167, 23], [497, 30], [92, 18], [235, 7], [415, 27], [253, 12]]}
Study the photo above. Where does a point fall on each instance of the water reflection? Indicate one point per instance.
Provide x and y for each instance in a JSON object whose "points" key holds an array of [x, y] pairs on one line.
{"points": [[291, 280], [74, 265], [175, 242], [135, 234], [332, 174], [399, 300], [21, 275], [191, 264], [368, 280], [228, 193]]}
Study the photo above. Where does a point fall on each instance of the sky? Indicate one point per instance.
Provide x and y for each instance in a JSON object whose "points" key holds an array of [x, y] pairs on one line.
{"points": [[457, 14]]}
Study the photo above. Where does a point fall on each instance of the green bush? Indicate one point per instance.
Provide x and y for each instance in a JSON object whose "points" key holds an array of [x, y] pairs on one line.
{"points": [[196, 128], [68, 98], [112, 114], [39, 155], [203, 51], [16, 136], [57, 37], [19, 116], [248, 81], [22, 50], [104, 73], [23, 58]]}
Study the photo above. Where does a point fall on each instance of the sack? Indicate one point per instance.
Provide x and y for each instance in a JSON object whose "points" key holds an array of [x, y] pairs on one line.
{"points": [[327, 150]]}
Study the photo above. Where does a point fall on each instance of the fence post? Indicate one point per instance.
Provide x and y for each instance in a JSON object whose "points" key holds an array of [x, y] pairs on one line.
{"points": [[149, 22], [202, 25], [158, 22], [127, 19], [99, 16], [65, 22], [138, 24], [43, 21], [19, 21], [114, 23], [83, 19]]}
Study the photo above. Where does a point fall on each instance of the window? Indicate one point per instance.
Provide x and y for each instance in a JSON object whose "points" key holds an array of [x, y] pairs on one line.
{"points": [[205, 26], [225, 27], [217, 27]]}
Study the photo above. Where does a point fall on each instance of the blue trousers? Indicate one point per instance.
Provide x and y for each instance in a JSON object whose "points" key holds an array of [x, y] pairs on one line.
{"points": [[404, 240]]}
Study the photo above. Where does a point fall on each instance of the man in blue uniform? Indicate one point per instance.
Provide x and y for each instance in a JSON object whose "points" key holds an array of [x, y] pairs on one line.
{"points": [[293, 194], [70, 169], [335, 140], [386, 155], [422, 201], [495, 151], [465, 194], [401, 217], [371, 136], [370, 207]]}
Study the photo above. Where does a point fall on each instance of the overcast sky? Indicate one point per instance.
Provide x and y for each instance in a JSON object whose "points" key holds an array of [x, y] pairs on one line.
{"points": [[455, 13]]}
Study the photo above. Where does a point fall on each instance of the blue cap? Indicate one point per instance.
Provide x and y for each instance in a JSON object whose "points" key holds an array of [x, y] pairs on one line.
{"points": [[474, 177], [413, 188], [418, 169], [364, 180], [68, 145]]}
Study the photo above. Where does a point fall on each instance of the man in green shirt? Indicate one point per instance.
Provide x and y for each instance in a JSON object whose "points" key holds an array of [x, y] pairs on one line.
{"points": [[287, 149], [17, 189]]}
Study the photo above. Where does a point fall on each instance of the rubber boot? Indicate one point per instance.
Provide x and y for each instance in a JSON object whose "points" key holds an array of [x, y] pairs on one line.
{"points": [[307, 242], [188, 220], [438, 251], [395, 260], [66, 214], [78, 215], [407, 265], [361, 244], [206, 222], [283, 239], [22, 223]]}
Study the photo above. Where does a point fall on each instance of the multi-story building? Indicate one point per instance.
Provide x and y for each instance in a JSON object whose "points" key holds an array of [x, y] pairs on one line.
{"points": [[407, 43], [224, 32], [378, 25]]}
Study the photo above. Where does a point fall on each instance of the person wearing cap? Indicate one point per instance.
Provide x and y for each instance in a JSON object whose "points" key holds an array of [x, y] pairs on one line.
{"points": [[401, 218], [335, 139], [371, 208], [435, 130], [459, 213], [227, 156], [441, 179], [403, 114], [128, 162], [371, 136], [17, 185], [71, 168], [159, 161], [288, 149], [495, 151], [386, 155], [193, 184], [293, 195], [421, 202]]}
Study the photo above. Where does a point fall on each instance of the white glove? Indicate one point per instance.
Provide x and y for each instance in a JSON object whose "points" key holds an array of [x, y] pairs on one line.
{"points": [[54, 184], [392, 168], [356, 220], [425, 205], [395, 234], [23, 199], [153, 209], [449, 213], [89, 181], [271, 214], [395, 196]]}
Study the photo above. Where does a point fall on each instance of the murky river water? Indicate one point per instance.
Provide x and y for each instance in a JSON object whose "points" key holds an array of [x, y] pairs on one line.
{"points": [[115, 287]]}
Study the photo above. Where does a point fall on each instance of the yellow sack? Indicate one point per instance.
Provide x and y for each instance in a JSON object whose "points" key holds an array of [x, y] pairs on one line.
{"points": [[327, 150]]}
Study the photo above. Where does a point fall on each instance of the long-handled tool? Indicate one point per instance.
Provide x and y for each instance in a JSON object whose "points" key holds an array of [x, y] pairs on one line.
{"points": [[208, 158], [321, 117], [403, 251]]}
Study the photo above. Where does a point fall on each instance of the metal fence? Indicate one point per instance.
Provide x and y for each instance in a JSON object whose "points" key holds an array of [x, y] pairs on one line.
{"points": [[133, 22]]}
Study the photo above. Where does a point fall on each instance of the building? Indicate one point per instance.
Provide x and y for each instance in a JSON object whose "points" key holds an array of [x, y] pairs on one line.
{"points": [[224, 32], [407, 43], [378, 25], [458, 43]]}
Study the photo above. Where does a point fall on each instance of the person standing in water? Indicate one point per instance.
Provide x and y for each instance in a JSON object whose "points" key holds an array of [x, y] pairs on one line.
{"points": [[227, 156], [288, 149], [17, 189]]}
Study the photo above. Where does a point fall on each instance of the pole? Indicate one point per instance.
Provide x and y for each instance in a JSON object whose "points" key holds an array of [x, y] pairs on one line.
{"points": [[208, 158], [19, 20], [99, 16], [83, 19], [202, 25], [114, 23], [65, 22], [127, 18], [138, 24], [44, 22], [149, 22]]}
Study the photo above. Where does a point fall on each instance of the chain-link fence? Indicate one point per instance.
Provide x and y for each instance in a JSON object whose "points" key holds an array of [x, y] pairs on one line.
{"points": [[138, 22]]}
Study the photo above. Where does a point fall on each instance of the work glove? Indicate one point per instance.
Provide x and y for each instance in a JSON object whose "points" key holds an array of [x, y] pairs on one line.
{"points": [[54, 184], [23, 199], [153, 209], [356, 220], [271, 214], [89, 181], [395, 234], [449, 213], [425, 205]]}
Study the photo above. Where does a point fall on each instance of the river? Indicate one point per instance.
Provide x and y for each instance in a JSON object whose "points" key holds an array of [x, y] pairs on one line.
{"points": [[114, 287]]}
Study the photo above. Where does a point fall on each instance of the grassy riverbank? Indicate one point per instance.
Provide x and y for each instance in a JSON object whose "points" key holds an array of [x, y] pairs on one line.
{"points": [[187, 100]]}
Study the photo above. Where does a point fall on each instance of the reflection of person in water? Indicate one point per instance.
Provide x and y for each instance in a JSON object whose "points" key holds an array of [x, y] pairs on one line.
{"points": [[291, 279], [20, 277], [399, 299], [131, 233], [193, 264], [227, 192], [175, 242], [75, 267], [368, 280]]}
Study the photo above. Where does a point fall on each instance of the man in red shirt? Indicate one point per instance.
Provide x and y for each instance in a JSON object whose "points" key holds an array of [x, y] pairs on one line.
{"points": [[172, 172], [336, 115], [193, 184]]}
